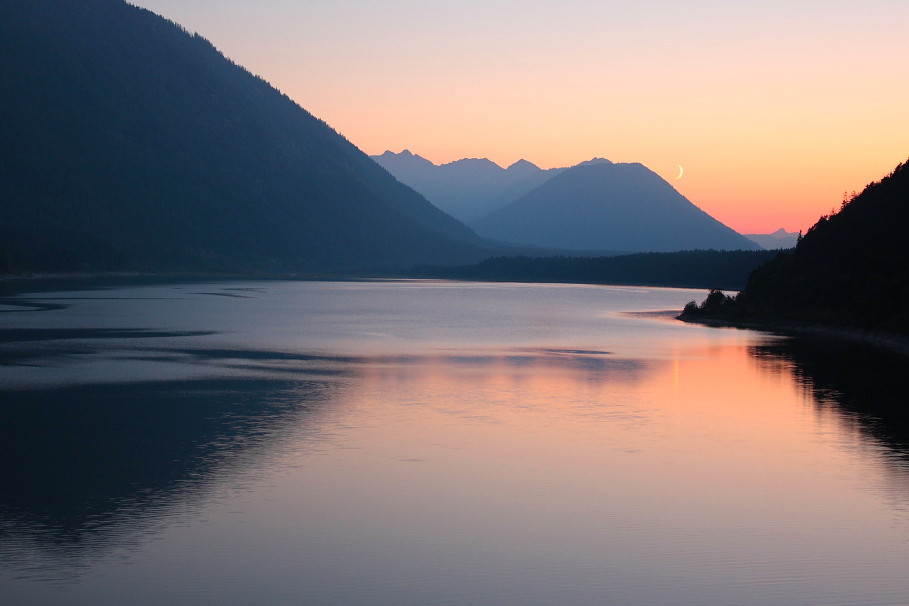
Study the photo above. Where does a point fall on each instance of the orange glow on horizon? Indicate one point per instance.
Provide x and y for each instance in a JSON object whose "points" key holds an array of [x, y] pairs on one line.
{"points": [[753, 198], [774, 110]]}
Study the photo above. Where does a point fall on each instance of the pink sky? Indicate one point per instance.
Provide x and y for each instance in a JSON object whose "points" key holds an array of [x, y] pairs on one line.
{"points": [[775, 109]]}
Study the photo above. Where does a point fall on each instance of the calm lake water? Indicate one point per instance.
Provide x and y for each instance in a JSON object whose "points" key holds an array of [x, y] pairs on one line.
{"points": [[440, 443]]}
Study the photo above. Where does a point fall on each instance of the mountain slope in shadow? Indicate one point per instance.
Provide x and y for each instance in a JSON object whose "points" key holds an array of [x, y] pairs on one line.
{"points": [[468, 188], [605, 206], [129, 143]]}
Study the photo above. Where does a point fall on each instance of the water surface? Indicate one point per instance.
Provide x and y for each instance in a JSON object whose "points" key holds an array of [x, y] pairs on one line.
{"points": [[439, 443]]}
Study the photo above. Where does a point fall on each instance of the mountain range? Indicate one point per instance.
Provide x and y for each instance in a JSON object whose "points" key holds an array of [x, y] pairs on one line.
{"points": [[130, 144], [466, 189], [596, 205]]}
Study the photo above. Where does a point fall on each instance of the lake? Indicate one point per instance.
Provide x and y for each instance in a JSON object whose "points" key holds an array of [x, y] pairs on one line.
{"points": [[420, 442]]}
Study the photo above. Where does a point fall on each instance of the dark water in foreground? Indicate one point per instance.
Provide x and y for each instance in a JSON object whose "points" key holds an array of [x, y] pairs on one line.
{"points": [[440, 443]]}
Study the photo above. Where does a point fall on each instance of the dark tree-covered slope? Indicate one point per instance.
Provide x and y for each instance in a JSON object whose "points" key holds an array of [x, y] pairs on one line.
{"points": [[850, 269], [607, 206], [128, 143]]}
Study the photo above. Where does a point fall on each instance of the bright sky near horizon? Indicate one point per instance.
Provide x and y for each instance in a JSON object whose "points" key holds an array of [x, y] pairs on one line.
{"points": [[774, 108]]}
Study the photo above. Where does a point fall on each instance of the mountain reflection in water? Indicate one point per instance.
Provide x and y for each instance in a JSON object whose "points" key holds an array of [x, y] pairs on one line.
{"points": [[90, 465], [94, 466]]}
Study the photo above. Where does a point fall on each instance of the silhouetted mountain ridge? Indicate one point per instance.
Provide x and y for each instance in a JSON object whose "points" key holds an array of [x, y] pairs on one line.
{"points": [[467, 188], [601, 205], [850, 269], [130, 144]]}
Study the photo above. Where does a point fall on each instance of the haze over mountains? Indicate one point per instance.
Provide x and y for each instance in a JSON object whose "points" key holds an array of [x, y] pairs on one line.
{"points": [[623, 207], [128, 143], [466, 189], [775, 240], [595, 205]]}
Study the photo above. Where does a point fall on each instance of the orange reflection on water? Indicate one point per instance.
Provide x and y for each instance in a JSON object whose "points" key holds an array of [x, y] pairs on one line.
{"points": [[588, 466], [705, 415]]}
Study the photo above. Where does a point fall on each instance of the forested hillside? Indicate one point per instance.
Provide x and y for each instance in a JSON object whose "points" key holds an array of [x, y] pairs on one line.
{"points": [[694, 269], [850, 269], [128, 143]]}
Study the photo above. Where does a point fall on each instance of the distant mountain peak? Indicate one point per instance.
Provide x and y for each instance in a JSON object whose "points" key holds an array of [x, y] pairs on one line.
{"points": [[405, 153], [467, 188], [523, 165], [778, 239], [474, 162], [600, 205], [406, 160], [595, 160]]}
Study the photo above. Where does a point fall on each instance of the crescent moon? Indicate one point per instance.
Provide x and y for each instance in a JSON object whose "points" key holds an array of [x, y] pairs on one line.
{"points": [[681, 172]]}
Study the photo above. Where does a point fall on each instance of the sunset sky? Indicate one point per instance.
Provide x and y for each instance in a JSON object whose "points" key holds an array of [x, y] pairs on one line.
{"points": [[773, 108]]}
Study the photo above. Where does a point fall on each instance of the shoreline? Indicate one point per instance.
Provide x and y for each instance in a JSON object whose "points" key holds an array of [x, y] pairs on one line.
{"points": [[17, 284], [888, 340], [13, 285]]}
